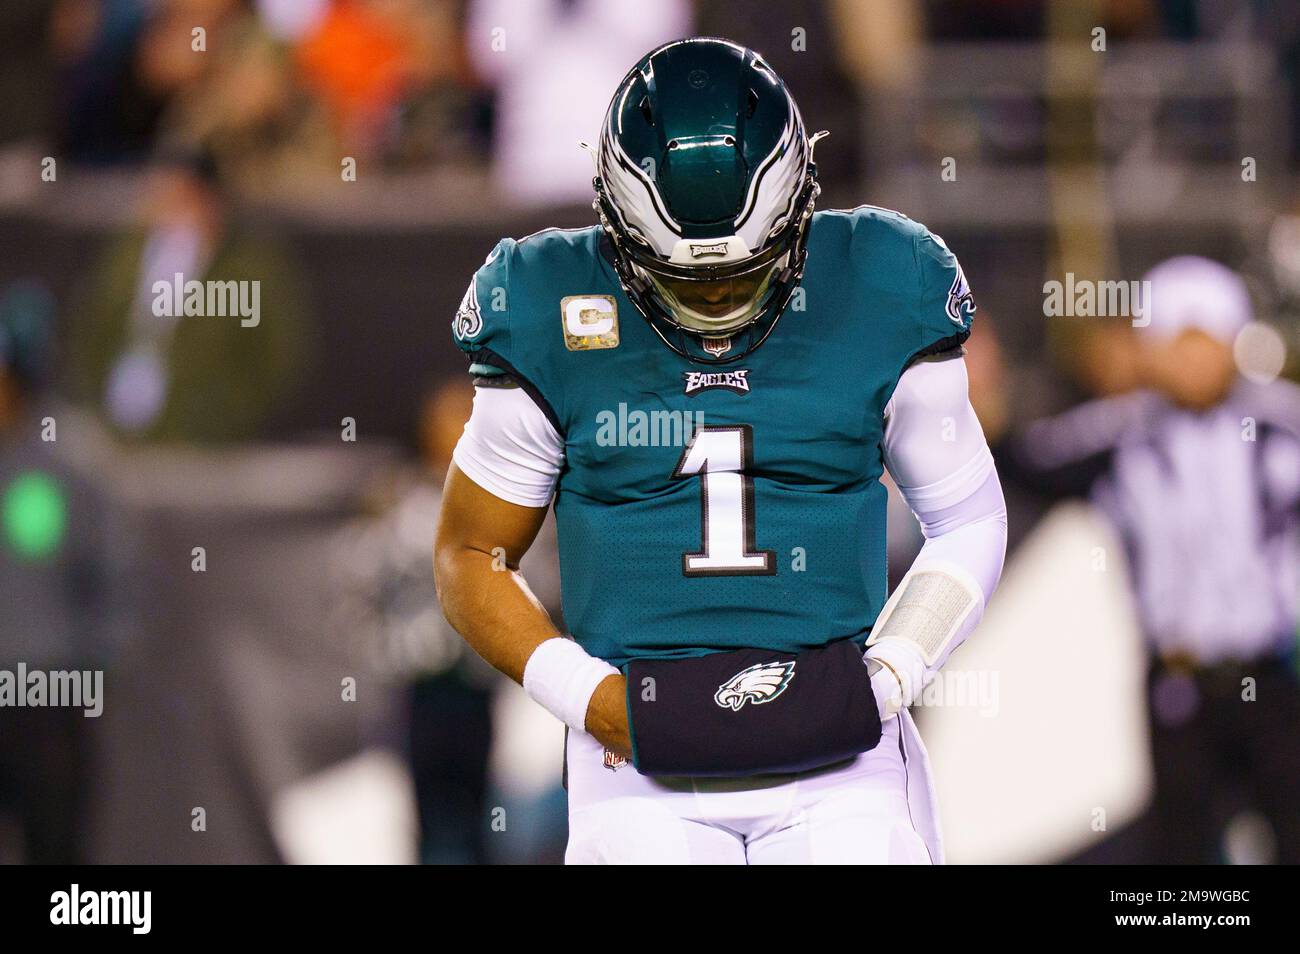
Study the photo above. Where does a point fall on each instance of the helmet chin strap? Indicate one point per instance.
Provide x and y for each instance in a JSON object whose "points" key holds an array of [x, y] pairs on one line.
{"points": [[727, 325]]}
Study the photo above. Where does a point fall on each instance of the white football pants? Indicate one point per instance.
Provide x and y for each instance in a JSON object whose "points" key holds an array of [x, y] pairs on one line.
{"points": [[854, 813]]}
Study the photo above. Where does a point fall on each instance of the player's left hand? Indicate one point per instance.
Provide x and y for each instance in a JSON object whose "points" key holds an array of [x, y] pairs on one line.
{"points": [[886, 688]]}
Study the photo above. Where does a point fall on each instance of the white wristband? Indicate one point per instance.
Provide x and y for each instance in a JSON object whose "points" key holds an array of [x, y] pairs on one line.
{"points": [[561, 677]]}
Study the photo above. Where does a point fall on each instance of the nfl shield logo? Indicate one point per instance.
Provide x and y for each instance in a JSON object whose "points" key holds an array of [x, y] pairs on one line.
{"points": [[716, 346], [614, 762]]}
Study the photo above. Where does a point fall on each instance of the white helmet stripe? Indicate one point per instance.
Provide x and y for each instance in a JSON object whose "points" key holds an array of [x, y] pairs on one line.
{"points": [[636, 199], [778, 178], [783, 144]]}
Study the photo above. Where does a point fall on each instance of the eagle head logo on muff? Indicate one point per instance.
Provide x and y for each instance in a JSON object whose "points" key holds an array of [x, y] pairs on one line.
{"points": [[758, 684]]}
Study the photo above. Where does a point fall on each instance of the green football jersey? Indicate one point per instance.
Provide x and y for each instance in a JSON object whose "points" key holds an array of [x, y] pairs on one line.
{"points": [[705, 508]]}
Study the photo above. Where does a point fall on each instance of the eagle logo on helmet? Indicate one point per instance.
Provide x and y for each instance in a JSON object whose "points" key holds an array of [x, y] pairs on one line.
{"points": [[758, 684]]}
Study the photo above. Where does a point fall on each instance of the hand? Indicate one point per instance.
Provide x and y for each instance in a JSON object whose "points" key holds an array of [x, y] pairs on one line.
{"points": [[607, 716], [886, 688]]}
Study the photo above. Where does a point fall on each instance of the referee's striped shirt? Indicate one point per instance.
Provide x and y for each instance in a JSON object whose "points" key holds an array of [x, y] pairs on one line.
{"points": [[1207, 505]]}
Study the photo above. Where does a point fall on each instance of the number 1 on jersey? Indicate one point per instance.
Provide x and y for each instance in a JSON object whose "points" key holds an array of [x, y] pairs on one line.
{"points": [[720, 456]]}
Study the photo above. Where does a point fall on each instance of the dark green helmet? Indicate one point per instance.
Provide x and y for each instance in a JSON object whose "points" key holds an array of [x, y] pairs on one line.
{"points": [[705, 187]]}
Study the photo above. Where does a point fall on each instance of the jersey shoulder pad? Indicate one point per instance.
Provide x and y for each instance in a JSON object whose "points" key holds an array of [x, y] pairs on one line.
{"points": [[482, 318], [512, 300], [919, 267], [509, 319], [947, 306]]}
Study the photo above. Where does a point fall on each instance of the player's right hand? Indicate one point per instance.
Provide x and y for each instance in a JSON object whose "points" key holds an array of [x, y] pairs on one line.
{"points": [[607, 716]]}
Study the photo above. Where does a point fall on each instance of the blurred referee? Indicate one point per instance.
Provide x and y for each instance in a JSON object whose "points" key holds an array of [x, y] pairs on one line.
{"points": [[1198, 469]]}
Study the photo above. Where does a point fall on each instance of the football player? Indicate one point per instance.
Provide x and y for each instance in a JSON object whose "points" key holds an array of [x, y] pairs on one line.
{"points": [[707, 386]]}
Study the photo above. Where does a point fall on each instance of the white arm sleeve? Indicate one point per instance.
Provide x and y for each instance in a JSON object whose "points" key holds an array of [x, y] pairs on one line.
{"points": [[936, 452], [510, 448]]}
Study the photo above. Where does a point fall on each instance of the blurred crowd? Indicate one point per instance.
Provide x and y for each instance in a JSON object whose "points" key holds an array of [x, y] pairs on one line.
{"points": [[282, 89], [205, 113]]}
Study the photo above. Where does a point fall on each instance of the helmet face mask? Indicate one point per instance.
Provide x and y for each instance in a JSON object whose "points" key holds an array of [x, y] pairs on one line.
{"points": [[716, 306], [713, 288], [705, 189]]}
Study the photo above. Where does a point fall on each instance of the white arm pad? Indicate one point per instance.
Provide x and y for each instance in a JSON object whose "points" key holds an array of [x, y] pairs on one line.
{"points": [[561, 677], [933, 610]]}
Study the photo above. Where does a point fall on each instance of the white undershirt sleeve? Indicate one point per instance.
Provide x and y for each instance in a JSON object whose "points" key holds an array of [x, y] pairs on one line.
{"points": [[934, 445], [510, 448], [935, 450]]}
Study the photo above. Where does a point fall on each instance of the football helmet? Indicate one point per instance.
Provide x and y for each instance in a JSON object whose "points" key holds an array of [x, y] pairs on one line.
{"points": [[705, 188]]}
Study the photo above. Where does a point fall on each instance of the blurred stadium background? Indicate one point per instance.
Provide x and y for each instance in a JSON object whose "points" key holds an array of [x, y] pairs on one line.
{"points": [[301, 699]]}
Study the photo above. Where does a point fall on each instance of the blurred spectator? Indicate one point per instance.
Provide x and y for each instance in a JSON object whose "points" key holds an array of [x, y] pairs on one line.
{"points": [[104, 114], [26, 71], [236, 100], [278, 90], [54, 550], [1198, 469], [360, 64], [156, 369], [378, 68], [554, 65], [122, 62], [393, 611]]}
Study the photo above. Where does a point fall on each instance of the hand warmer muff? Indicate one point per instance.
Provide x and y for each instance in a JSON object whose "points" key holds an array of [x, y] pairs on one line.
{"points": [[751, 711]]}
